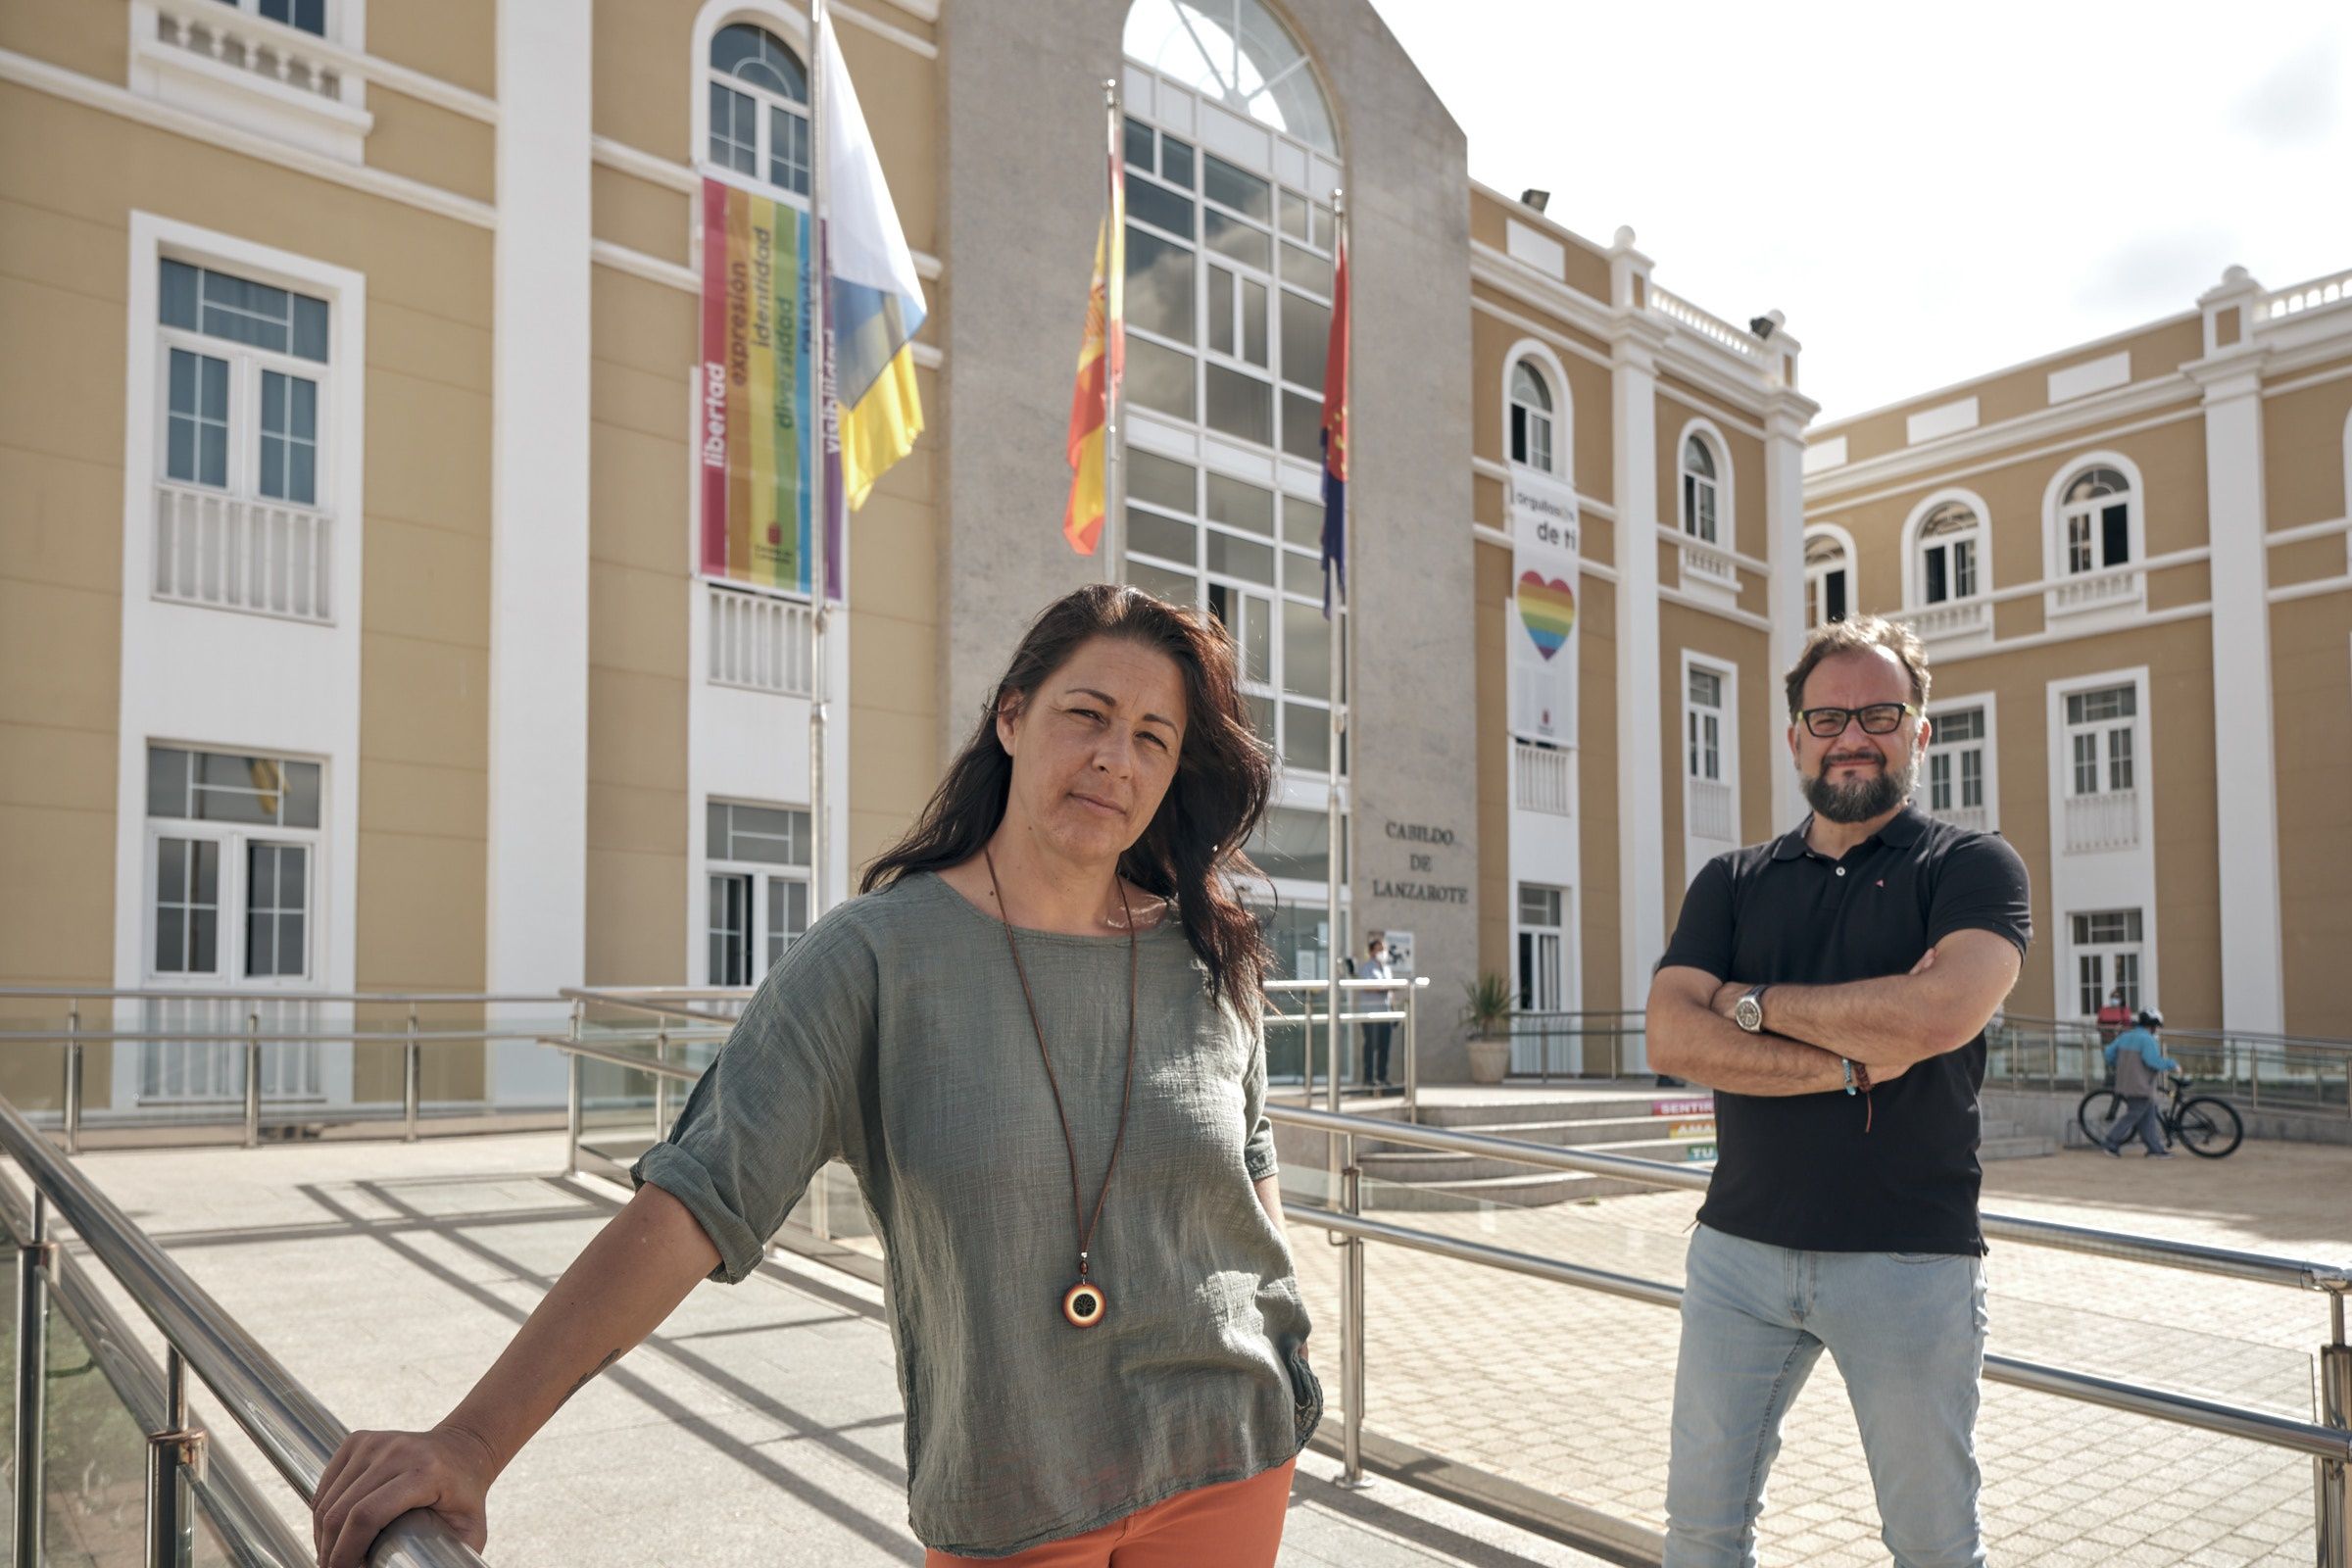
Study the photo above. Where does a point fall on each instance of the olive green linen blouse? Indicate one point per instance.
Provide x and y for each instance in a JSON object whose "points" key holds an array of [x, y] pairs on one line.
{"points": [[894, 1035]]}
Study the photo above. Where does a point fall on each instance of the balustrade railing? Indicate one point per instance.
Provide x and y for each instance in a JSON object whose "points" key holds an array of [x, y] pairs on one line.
{"points": [[2311, 296], [1541, 778], [2094, 590], [2107, 820], [1707, 563], [1714, 329], [1965, 617], [762, 643], [234, 552], [1710, 806]]}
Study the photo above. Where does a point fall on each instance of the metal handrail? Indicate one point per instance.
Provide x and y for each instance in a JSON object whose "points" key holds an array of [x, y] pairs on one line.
{"points": [[153, 994], [294, 1431], [2088, 1026]]}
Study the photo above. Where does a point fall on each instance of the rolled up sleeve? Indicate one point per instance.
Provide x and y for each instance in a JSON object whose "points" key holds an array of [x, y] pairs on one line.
{"points": [[1258, 1149], [771, 1107]]}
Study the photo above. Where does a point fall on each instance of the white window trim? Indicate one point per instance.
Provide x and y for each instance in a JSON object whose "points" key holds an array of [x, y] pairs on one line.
{"points": [[1915, 576], [251, 99], [1989, 703], [1548, 365], [1727, 527], [233, 838], [229, 682], [2056, 578], [712, 865], [792, 28], [1852, 567], [2117, 879], [1728, 748], [1520, 927], [2069, 999]]}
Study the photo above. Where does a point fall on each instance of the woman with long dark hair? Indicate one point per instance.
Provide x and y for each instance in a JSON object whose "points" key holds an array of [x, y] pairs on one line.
{"points": [[1035, 1038]]}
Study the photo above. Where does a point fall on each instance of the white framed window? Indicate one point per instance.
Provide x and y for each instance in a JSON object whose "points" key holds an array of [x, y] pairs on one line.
{"points": [[1950, 542], [2096, 507], [757, 865], [756, 105], [1543, 928], [1710, 754], [2108, 947], [1238, 53], [2100, 740], [1705, 484], [233, 842], [1251, 557], [1531, 418], [259, 65], [306, 16], [1829, 574], [1960, 765]]}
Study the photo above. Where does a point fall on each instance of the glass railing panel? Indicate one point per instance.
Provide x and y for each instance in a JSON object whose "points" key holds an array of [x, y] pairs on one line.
{"points": [[94, 1461], [209, 1540], [8, 1400]]}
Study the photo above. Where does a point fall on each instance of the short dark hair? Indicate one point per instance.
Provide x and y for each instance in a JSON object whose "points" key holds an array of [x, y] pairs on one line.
{"points": [[1858, 635]]}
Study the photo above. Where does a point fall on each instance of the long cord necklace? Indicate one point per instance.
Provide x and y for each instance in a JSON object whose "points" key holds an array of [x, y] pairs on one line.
{"points": [[1084, 1302]]}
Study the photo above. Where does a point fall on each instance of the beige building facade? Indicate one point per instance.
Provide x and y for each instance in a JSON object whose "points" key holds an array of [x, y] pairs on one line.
{"points": [[2130, 562]]}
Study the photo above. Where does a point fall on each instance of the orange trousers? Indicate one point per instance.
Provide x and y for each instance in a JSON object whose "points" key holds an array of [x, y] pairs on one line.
{"points": [[1235, 1524]]}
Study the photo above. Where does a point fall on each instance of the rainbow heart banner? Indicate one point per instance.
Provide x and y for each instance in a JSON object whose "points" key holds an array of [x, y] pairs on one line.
{"points": [[758, 388], [1548, 609], [1545, 564]]}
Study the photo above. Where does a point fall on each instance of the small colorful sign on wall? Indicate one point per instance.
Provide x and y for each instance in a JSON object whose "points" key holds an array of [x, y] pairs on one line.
{"points": [[1546, 552]]}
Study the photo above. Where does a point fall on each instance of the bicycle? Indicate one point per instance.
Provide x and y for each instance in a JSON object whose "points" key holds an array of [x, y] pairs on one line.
{"points": [[2204, 1125]]}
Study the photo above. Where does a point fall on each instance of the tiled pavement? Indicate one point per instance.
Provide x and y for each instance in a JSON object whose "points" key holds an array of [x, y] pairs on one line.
{"points": [[1569, 1391], [762, 1425]]}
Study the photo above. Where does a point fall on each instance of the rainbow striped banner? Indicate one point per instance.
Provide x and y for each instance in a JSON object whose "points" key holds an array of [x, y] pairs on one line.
{"points": [[758, 382]]}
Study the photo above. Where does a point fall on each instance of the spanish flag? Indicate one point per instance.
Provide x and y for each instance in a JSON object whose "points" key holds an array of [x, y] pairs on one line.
{"points": [[1335, 438], [1101, 359], [874, 299]]}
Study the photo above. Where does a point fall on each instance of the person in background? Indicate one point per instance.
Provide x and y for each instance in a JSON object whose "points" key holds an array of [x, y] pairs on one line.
{"points": [[1377, 1035], [2135, 1057], [2114, 1019]]}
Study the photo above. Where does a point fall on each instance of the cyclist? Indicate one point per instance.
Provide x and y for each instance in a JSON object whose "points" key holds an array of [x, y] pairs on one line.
{"points": [[2136, 1057]]}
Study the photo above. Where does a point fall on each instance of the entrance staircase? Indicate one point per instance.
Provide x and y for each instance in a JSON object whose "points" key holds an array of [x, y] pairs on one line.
{"points": [[1675, 1125]]}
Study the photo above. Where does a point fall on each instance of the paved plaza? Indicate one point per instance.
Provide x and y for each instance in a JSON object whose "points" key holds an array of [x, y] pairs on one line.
{"points": [[762, 1423]]}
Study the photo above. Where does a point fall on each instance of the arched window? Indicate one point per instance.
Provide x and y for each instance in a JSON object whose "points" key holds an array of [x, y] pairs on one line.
{"points": [[1531, 418], [1828, 577], [1238, 53], [1701, 501], [758, 92], [2095, 521], [1950, 541]]}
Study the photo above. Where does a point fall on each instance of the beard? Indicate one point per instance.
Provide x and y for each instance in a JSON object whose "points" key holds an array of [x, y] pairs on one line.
{"points": [[1863, 799]]}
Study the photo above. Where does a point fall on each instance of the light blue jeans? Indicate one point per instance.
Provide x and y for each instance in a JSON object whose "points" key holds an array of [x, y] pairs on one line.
{"points": [[1907, 1332]]}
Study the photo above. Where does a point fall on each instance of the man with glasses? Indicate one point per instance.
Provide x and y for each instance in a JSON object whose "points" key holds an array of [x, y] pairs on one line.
{"points": [[1832, 986]]}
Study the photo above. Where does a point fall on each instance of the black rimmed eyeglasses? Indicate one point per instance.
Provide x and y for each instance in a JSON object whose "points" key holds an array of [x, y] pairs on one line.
{"points": [[1879, 719]]}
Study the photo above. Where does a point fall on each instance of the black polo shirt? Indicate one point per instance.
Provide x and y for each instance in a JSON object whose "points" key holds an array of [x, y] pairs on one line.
{"points": [[1802, 1170]]}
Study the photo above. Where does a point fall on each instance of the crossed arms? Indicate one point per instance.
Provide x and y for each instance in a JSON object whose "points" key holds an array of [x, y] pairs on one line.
{"points": [[1887, 1024]]}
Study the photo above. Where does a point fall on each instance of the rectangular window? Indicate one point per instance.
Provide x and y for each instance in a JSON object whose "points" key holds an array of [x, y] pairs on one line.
{"points": [[2107, 949], [228, 901], [2077, 544], [2101, 738], [241, 384], [758, 886], [1703, 721], [1539, 945], [2115, 534], [196, 419], [276, 909], [187, 907]]}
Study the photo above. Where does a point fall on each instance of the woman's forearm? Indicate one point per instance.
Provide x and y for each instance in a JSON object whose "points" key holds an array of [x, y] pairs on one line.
{"points": [[629, 1278]]}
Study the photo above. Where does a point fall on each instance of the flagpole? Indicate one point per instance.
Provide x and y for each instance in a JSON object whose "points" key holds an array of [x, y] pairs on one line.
{"points": [[1341, 942], [820, 489], [1115, 464]]}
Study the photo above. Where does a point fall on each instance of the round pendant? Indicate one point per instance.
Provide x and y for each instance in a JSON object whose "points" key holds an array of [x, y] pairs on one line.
{"points": [[1083, 1304]]}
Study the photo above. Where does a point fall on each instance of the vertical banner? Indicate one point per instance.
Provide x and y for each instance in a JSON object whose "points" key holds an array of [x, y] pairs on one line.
{"points": [[1545, 548], [759, 386]]}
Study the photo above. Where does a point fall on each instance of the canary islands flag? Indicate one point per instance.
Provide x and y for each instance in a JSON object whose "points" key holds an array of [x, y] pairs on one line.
{"points": [[877, 300]]}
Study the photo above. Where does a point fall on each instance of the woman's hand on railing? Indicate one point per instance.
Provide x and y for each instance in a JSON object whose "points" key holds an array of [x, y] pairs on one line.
{"points": [[375, 1477]]}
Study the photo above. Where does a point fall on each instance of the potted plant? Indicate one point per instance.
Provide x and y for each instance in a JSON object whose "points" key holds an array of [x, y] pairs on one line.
{"points": [[1488, 1013]]}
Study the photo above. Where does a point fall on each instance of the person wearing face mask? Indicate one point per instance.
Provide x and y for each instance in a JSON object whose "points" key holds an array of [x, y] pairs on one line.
{"points": [[1833, 986], [1377, 1035]]}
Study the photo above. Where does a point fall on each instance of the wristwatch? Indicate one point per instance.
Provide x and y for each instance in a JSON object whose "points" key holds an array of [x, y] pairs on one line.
{"points": [[1748, 1011]]}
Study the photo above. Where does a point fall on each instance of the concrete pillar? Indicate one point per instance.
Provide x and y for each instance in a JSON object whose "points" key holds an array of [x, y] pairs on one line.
{"points": [[1633, 460], [2246, 771], [536, 916]]}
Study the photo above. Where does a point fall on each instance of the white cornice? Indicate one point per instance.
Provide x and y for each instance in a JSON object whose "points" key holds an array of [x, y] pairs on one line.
{"points": [[1549, 334], [1944, 657], [1719, 415], [1493, 470], [1674, 536], [1543, 222], [1929, 462], [1846, 421], [91, 93], [2309, 531], [656, 170], [2309, 590], [896, 34], [1486, 534], [1745, 617]]}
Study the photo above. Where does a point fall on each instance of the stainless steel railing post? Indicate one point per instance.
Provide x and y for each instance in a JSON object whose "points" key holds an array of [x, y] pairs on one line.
{"points": [[2331, 1515], [412, 1082], [1412, 1054], [175, 1457], [660, 1085], [33, 1381], [571, 1100], [253, 1080], [1351, 1332], [72, 1111]]}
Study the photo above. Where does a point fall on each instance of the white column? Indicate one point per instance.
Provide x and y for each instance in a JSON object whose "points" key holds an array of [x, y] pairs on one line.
{"points": [[2245, 764], [536, 935], [1785, 419], [1633, 463]]}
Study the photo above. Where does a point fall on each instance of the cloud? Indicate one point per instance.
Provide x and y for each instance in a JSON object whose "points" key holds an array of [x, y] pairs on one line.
{"points": [[2156, 272], [2295, 102]]}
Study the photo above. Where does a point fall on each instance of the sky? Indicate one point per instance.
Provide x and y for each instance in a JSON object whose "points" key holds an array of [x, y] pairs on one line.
{"points": [[1927, 193]]}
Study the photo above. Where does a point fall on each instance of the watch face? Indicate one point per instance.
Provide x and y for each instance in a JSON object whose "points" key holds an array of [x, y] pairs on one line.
{"points": [[1748, 1014]]}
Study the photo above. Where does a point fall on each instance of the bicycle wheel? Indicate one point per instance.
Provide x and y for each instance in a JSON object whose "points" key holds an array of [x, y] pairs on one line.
{"points": [[2210, 1127], [2097, 1112]]}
